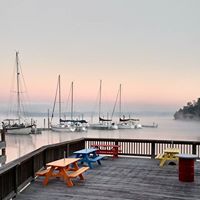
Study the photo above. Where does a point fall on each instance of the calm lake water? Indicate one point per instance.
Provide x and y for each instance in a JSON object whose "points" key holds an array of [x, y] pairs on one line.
{"points": [[168, 128]]}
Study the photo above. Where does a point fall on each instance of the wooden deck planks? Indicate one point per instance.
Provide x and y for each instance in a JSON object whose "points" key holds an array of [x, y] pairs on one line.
{"points": [[123, 178]]}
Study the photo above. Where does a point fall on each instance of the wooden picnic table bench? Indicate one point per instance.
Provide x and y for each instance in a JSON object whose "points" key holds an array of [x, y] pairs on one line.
{"points": [[88, 156], [169, 154], [107, 149], [62, 168]]}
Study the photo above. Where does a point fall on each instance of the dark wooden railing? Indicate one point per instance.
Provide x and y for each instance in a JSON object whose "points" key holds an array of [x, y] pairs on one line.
{"points": [[148, 148], [18, 173], [2, 147]]}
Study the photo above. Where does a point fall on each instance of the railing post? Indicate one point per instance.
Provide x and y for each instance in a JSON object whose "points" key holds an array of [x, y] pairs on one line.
{"points": [[1, 190], [68, 150], [44, 157], [194, 148], [85, 143], [3, 139], [153, 150], [16, 183], [33, 167]]}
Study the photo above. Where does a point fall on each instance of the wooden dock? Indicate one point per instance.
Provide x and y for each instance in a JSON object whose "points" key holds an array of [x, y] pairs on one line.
{"points": [[120, 179]]}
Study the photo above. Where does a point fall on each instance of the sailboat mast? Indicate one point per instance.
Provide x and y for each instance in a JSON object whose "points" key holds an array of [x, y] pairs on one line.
{"points": [[120, 100], [59, 89], [100, 100], [18, 88], [72, 100]]}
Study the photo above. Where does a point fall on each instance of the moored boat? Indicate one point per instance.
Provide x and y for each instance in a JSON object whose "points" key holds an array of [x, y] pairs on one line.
{"points": [[126, 123], [12, 126], [103, 124], [61, 126], [129, 123], [18, 125], [154, 125], [67, 125]]}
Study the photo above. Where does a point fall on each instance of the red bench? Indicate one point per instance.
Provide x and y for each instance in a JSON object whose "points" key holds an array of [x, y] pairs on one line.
{"points": [[107, 149]]}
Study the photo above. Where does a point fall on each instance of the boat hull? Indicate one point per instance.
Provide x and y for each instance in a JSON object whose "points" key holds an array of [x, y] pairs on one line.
{"points": [[150, 126], [58, 128], [125, 126], [21, 130], [81, 129], [103, 126], [138, 126]]}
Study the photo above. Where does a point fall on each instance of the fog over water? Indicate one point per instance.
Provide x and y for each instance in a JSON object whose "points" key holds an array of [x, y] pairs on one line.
{"points": [[168, 129]]}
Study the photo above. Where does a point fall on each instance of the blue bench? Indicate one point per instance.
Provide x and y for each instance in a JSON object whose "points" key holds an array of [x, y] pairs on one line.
{"points": [[96, 159]]}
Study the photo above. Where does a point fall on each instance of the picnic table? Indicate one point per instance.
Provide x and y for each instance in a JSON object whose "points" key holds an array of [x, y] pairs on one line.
{"points": [[107, 149], [170, 154], [88, 156], [66, 168]]}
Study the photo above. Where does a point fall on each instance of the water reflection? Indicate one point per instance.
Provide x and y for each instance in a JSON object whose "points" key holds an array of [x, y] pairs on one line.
{"points": [[18, 145], [168, 129]]}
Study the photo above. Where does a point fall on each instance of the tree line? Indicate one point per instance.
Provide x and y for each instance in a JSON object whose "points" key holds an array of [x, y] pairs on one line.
{"points": [[190, 111]]}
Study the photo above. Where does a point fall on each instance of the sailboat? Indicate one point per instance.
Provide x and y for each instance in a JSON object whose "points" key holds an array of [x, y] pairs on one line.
{"points": [[18, 125], [63, 125], [126, 123], [103, 124], [79, 125]]}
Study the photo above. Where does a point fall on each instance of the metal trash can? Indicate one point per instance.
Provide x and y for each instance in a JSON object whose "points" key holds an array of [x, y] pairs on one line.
{"points": [[186, 167]]}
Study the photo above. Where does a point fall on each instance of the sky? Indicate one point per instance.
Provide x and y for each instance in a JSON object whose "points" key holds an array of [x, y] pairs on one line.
{"points": [[151, 47]]}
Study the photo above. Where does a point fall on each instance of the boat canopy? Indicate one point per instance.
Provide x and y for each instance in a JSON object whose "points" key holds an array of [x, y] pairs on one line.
{"points": [[104, 120], [129, 119], [73, 121]]}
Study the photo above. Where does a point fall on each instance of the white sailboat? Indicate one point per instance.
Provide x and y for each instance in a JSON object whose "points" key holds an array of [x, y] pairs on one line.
{"points": [[126, 123], [18, 125], [104, 124], [62, 126], [79, 125]]}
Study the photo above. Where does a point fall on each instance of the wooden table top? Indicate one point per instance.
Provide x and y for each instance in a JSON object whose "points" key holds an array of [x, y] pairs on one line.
{"points": [[172, 150], [85, 151], [63, 162]]}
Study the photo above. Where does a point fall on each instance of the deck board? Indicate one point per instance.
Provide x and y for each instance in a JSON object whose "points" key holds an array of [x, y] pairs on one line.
{"points": [[122, 178]]}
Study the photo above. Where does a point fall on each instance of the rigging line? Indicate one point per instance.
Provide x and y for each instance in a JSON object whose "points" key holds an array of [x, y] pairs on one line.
{"points": [[100, 98], [115, 104], [23, 99], [18, 88], [67, 103], [95, 105], [71, 93], [11, 96], [55, 101], [24, 111], [24, 83]]}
